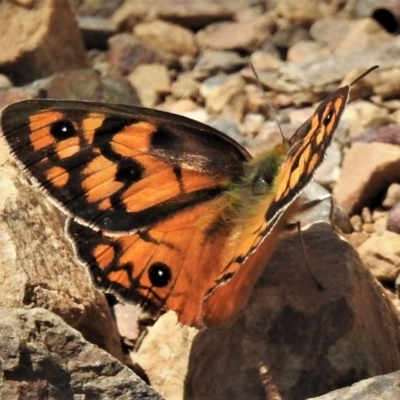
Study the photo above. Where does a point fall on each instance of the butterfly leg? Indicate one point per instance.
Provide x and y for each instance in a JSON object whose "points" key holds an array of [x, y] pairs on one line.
{"points": [[297, 225]]}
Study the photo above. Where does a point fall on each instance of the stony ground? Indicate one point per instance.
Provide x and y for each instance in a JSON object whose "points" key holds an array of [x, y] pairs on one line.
{"points": [[191, 58]]}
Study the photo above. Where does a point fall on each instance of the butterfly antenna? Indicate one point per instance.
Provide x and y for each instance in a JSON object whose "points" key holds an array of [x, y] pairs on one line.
{"points": [[364, 74], [268, 102]]}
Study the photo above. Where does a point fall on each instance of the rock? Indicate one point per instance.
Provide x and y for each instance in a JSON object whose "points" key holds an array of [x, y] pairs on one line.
{"points": [[392, 196], [5, 83], [307, 50], [167, 38], [265, 61], [150, 81], [330, 31], [382, 387], [386, 83], [381, 254], [368, 169], [245, 35], [363, 34], [37, 265], [101, 8], [393, 219], [318, 78], [14, 94], [44, 358], [361, 117], [126, 53], [126, 318], [346, 36], [328, 173], [185, 87], [303, 12], [225, 95], [164, 355], [87, 84], [252, 124], [187, 13], [48, 41], [212, 61]]}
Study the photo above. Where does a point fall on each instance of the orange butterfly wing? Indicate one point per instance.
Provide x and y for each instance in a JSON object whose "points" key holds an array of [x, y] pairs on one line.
{"points": [[307, 149], [139, 185], [119, 168]]}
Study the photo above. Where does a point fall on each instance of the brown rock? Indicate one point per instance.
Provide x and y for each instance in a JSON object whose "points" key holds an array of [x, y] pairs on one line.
{"points": [[345, 36], [311, 81], [363, 35], [301, 339], [101, 8], [330, 31], [14, 94], [265, 61], [166, 37], [87, 84], [383, 387], [44, 358], [47, 41], [212, 61], [387, 81], [381, 254], [185, 87], [245, 35], [5, 83], [126, 53], [302, 12], [393, 219], [150, 81], [229, 97], [368, 169], [307, 50], [192, 14], [37, 265], [164, 355], [361, 115], [392, 196]]}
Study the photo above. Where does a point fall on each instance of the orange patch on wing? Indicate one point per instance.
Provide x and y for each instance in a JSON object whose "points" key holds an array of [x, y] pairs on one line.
{"points": [[41, 138], [105, 205], [44, 119], [39, 125], [68, 147], [57, 176], [97, 164], [151, 190], [133, 139], [193, 180], [104, 255], [90, 124], [284, 176], [99, 182], [121, 277], [96, 191]]}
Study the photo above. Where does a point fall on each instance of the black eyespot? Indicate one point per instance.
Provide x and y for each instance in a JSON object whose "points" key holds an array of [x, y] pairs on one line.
{"points": [[327, 120], [159, 274], [62, 129], [129, 171]]}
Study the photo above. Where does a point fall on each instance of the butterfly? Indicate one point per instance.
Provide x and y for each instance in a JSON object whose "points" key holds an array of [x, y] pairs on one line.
{"points": [[164, 210]]}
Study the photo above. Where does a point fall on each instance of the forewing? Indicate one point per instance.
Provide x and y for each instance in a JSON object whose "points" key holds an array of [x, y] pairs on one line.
{"points": [[119, 168]]}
